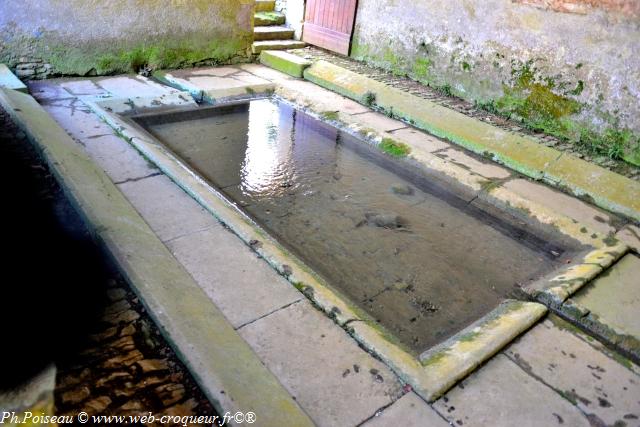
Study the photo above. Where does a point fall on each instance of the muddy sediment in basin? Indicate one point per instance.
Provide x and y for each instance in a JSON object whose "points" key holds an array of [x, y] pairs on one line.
{"points": [[417, 256]]}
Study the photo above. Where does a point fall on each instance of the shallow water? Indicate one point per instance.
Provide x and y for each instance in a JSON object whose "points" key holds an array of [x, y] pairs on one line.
{"points": [[423, 262]]}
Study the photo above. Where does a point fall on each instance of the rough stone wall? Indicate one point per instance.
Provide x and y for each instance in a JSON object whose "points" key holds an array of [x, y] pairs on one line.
{"points": [[568, 67], [40, 38]]}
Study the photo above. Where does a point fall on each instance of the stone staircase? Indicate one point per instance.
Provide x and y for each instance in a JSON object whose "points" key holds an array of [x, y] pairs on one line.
{"points": [[270, 31]]}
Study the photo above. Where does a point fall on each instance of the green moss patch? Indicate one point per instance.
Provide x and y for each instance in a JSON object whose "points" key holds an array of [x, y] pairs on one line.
{"points": [[167, 56], [330, 115], [394, 148], [268, 18]]}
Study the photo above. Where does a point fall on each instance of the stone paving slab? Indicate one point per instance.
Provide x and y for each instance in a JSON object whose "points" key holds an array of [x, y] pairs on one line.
{"points": [[241, 284], [119, 159], [484, 168], [265, 72], [595, 218], [76, 119], [614, 296], [330, 376], [380, 122], [133, 86], [168, 210], [408, 411], [413, 136], [83, 88], [601, 387], [215, 87], [502, 394], [48, 90], [324, 100]]}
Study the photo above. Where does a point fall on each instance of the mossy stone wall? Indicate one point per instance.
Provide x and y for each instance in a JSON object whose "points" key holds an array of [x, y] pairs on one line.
{"points": [[97, 37], [573, 75]]}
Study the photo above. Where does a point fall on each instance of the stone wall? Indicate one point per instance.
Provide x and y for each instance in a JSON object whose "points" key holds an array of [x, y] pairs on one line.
{"points": [[567, 67], [41, 38]]}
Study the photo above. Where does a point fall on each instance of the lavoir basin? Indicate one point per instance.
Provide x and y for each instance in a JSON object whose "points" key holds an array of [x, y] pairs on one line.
{"points": [[417, 254]]}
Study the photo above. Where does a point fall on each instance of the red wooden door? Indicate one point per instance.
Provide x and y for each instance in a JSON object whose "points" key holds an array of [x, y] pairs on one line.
{"points": [[329, 24]]}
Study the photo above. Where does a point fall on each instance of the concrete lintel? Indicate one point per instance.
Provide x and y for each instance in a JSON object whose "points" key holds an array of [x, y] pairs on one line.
{"points": [[223, 364]]}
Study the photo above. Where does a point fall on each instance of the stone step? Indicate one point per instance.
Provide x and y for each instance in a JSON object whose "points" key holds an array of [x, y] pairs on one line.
{"points": [[284, 61], [265, 5], [272, 33], [259, 46], [261, 19]]}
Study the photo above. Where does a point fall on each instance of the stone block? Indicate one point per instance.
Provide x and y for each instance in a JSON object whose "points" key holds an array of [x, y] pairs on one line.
{"points": [[501, 394], [283, 61], [242, 285], [333, 380], [560, 356], [169, 211]]}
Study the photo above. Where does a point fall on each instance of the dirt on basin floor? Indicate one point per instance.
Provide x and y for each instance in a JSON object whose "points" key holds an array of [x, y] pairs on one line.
{"points": [[63, 303]]}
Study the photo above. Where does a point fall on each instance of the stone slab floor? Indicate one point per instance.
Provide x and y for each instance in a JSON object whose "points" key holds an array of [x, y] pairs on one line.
{"points": [[553, 375]]}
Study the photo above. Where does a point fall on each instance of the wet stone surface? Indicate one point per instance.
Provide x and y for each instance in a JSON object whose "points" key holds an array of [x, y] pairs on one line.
{"points": [[417, 256]]}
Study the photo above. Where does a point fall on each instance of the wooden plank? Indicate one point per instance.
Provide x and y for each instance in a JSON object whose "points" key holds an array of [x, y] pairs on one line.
{"points": [[327, 38], [329, 24]]}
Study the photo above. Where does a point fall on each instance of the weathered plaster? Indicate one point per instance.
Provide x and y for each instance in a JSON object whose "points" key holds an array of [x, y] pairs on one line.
{"points": [[295, 16], [572, 75], [89, 37]]}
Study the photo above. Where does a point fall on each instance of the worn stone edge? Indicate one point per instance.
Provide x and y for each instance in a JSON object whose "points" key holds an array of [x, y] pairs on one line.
{"points": [[579, 314], [465, 351], [9, 80], [558, 289], [213, 96], [338, 80], [238, 381], [429, 380], [258, 46]]}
